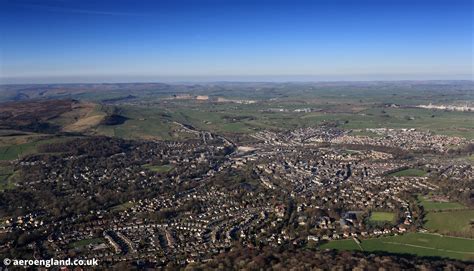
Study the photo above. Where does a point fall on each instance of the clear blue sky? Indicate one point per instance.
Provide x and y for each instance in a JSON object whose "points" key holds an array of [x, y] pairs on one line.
{"points": [[82, 40]]}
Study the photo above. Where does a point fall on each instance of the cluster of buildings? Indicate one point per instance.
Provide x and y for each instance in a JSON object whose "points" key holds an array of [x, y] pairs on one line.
{"points": [[463, 108], [405, 139], [189, 201], [187, 96]]}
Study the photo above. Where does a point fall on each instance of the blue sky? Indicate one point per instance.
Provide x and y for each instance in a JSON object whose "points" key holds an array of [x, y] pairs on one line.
{"points": [[88, 41]]}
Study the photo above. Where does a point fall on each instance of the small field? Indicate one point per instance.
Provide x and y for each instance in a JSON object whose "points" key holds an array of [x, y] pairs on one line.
{"points": [[5, 173], [382, 217], [122, 207], [420, 244], [159, 169], [82, 243], [430, 205], [15, 151], [346, 244], [451, 222], [411, 172]]}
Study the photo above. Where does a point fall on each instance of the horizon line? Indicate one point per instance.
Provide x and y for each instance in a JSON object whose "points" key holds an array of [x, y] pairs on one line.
{"points": [[124, 79], [239, 81]]}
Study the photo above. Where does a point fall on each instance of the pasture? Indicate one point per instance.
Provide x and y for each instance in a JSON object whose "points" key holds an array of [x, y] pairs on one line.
{"points": [[15, 151], [156, 121]]}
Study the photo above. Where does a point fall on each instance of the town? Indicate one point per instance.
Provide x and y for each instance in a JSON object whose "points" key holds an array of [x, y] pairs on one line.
{"points": [[185, 202]]}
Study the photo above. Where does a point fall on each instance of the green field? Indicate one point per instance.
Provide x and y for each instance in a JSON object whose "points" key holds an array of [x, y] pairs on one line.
{"points": [[349, 106], [5, 173], [122, 207], [144, 123], [85, 242], [411, 172], [382, 217], [439, 122], [429, 205], [421, 244], [451, 222], [14, 151], [346, 244], [157, 121], [159, 169]]}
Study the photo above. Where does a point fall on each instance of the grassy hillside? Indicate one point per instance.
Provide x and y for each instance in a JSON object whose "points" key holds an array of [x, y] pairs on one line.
{"points": [[421, 244], [156, 121], [451, 222], [430, 205]]}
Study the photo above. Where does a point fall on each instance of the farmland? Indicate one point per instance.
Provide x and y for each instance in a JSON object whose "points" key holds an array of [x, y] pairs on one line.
{"points": [[157, 121], [14, 151]]}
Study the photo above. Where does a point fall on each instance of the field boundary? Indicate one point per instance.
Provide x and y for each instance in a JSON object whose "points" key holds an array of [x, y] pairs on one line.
{"points": [[445, 235], [432, 248]]}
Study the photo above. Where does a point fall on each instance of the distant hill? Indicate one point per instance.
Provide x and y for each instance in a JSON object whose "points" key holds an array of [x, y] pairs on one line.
{"points": [[49, 116], [115, 92]]}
